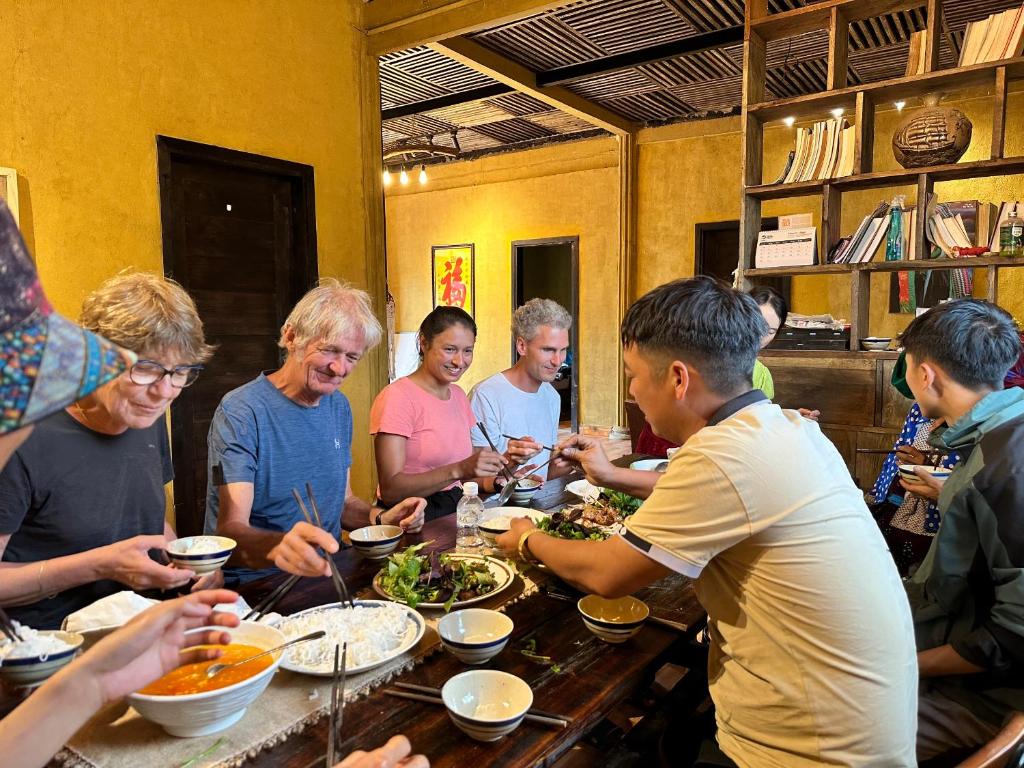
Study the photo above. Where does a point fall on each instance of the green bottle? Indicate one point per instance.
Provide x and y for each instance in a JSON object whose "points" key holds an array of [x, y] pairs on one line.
{"points": [[1011, 235]]}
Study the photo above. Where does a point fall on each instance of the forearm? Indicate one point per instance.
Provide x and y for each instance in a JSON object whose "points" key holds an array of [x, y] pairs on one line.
{"points": [[943, 660], [253, 544], [580, 563], [356, 513], [31, 735], [23, 583], [635, 482], [403, 484]]}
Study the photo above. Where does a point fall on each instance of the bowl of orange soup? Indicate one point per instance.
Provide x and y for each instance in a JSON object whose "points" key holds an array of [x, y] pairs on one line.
{"points": [[186, 703]]}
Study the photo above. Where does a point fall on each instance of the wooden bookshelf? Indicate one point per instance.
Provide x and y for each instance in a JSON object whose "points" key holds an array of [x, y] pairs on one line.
{"points": [[834, 17]]}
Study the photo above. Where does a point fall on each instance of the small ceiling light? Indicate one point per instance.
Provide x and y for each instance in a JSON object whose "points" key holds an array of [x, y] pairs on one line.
{"points": [[423, 174], [837, 112], [789, 121], [228, 207], [387, 178], [403, 177], [899, 105]]}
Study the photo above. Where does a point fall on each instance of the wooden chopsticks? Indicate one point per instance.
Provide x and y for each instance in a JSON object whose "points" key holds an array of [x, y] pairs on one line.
{"points": [[504, 470], [339, 583], [545, 447], [433, 696], [267, 604], [337, 703], [7, 627]]}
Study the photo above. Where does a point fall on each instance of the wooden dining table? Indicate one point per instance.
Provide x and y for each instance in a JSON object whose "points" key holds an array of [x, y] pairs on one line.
{"points": [[589, 679], [584, 680]]}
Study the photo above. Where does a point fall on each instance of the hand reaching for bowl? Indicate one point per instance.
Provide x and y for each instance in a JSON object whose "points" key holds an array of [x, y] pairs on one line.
{"points": [[394, 754], [213, 580], [508, 542], [929, 487], [128, 562], [407, 514]]}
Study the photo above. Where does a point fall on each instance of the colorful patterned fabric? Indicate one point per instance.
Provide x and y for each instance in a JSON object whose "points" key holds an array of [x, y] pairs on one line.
{"points": [[48, 361]]}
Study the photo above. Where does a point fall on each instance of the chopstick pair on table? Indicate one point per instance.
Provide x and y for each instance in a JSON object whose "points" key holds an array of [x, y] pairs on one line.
{"points": [[270, 601], [7, 627], [430, 695]]}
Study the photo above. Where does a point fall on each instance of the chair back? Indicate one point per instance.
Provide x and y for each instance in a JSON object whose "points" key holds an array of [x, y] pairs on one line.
{"points": [[1004, 750], [635, 421]]}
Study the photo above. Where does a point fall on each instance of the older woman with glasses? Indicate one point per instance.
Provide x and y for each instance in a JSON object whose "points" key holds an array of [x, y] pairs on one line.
{"points": [[82, 501]]}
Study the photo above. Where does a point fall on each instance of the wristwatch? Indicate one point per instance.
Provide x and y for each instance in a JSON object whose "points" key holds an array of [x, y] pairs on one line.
{"points": [[378, 516], [524, 552]]}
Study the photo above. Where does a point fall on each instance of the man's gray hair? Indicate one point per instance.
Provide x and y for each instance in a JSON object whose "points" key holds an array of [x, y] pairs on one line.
{"points": [[331, 310], [527, 320]]}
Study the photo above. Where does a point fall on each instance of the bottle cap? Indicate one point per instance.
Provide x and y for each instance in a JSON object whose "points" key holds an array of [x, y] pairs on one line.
{"points": [[470, 489]]}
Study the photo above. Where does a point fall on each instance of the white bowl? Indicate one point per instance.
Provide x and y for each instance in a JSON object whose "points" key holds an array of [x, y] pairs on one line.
{"points": [[375, 542], [613, 620], [200, 714], [875, 343], [649, 465], [524, 491], [30, 671], [474, 635], [908, 474], [486, 704], [498, 520], [208, 561]]}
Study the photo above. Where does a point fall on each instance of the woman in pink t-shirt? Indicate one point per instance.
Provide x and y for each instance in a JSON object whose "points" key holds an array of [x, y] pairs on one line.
{"points": [[421, 423]]}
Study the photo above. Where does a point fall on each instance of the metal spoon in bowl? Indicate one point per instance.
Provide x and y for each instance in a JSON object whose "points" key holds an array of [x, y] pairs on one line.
{"points": [[216, 669]]}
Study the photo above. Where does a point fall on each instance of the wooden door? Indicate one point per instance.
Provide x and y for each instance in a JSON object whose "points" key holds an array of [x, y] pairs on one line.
{"points": [[239, 236], [717, 253]]}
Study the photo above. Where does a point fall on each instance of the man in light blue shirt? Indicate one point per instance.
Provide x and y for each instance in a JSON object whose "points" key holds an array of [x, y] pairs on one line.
{"points": [[520, 401], [292, 427]]}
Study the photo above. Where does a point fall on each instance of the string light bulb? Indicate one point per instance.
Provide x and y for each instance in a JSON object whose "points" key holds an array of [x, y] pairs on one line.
{"points": [[899, 105], [403, 177], [789, 121], [837, 112], [387, 178], [423, 174]]}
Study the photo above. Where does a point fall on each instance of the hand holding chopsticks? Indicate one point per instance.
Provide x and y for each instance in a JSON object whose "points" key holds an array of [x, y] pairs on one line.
{"points": [[7, 627], [430, 695], [339, 583]]}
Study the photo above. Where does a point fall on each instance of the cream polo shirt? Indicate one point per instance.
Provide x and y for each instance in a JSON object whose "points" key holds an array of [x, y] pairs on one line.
{"points": [[812, 655]]}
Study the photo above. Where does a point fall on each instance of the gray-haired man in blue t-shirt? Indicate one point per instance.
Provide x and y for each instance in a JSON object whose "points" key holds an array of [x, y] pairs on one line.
{"points": [[290, 427]]}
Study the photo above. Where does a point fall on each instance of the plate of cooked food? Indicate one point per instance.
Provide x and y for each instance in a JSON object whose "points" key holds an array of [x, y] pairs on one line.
{"points": [[595, 519], [441, 581], [375, 631]]}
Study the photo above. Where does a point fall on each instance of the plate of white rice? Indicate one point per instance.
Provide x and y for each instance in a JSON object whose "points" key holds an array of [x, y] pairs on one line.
{"points": [[376, 631]]}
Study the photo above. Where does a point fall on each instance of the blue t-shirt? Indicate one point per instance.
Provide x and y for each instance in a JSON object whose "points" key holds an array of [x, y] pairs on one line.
{"points": [[260, 436]]}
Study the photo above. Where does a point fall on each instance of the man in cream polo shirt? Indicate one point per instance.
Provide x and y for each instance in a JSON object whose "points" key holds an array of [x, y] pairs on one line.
{"points": [[812, 657]]}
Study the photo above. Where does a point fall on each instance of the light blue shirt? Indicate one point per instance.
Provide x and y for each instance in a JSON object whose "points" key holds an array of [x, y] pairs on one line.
{"points": [[259, 436], [505, 409]]}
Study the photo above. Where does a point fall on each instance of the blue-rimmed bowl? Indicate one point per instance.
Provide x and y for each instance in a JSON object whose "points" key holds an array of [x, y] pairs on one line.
{"points": [[201, 554], [524, 492], [30, 671], [910, 477], [375, 542], [486, 704], [613, 620], [474, 635]]}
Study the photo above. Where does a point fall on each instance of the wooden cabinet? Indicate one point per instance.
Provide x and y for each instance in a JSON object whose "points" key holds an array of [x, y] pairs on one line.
{"points": [[859, 406]]}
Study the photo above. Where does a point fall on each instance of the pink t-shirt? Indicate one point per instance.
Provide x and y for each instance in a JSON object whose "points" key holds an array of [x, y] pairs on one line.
{"points": [[437, 431]]}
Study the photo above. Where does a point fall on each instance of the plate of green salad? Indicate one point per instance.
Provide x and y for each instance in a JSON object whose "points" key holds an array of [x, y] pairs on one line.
{"points": [[441, 581]]}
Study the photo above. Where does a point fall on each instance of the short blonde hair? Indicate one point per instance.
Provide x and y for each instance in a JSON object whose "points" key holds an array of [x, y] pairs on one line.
{"points": [[329, 311], [144, 312], [527, 320]]}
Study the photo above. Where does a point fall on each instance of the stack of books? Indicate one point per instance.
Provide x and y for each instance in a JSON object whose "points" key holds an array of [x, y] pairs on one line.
{"points": [[861, 246], [1000, 36], [823, 151]]}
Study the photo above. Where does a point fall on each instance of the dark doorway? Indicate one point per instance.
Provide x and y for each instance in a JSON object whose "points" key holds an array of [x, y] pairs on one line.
{"points": [[717, 253], [549, 269], [239, 233]]}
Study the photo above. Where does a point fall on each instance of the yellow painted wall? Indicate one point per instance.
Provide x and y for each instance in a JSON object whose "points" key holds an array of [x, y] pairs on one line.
{"points": [[88, 86], [560, 190]]}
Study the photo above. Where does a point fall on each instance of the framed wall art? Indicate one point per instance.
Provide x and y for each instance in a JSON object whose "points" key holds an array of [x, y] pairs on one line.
{"points": [[453, 272]]}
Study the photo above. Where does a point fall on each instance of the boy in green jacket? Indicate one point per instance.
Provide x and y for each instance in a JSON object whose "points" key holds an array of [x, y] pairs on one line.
{"points": [[967, 597]]}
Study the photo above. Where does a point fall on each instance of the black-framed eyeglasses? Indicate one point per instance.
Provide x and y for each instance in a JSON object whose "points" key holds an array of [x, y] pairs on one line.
{"points": [[147, 372]]}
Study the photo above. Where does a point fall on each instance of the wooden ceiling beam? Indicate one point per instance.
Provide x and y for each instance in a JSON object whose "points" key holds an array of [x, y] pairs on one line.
{"points": [[395, 25], [448, 100], [511, 73]]}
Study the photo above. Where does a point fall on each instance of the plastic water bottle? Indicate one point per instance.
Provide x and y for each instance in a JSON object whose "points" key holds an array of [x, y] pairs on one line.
{"points": [[467, 517]]}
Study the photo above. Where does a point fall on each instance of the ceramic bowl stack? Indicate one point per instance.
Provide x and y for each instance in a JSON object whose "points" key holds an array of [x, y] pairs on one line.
{"points": [[200, 714], [486, 704], [614, 621], [907, 472], [201, 554], [375, 542], [30, 671], [475, 635], [524, 492]]}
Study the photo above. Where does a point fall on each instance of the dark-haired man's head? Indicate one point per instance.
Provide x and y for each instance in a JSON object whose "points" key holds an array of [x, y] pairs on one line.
{"points": [[689, 346], [957, 353], [773, 309]]}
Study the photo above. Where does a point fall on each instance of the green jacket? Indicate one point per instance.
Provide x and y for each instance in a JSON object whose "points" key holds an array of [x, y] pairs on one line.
{"points": [[969, 591]]}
